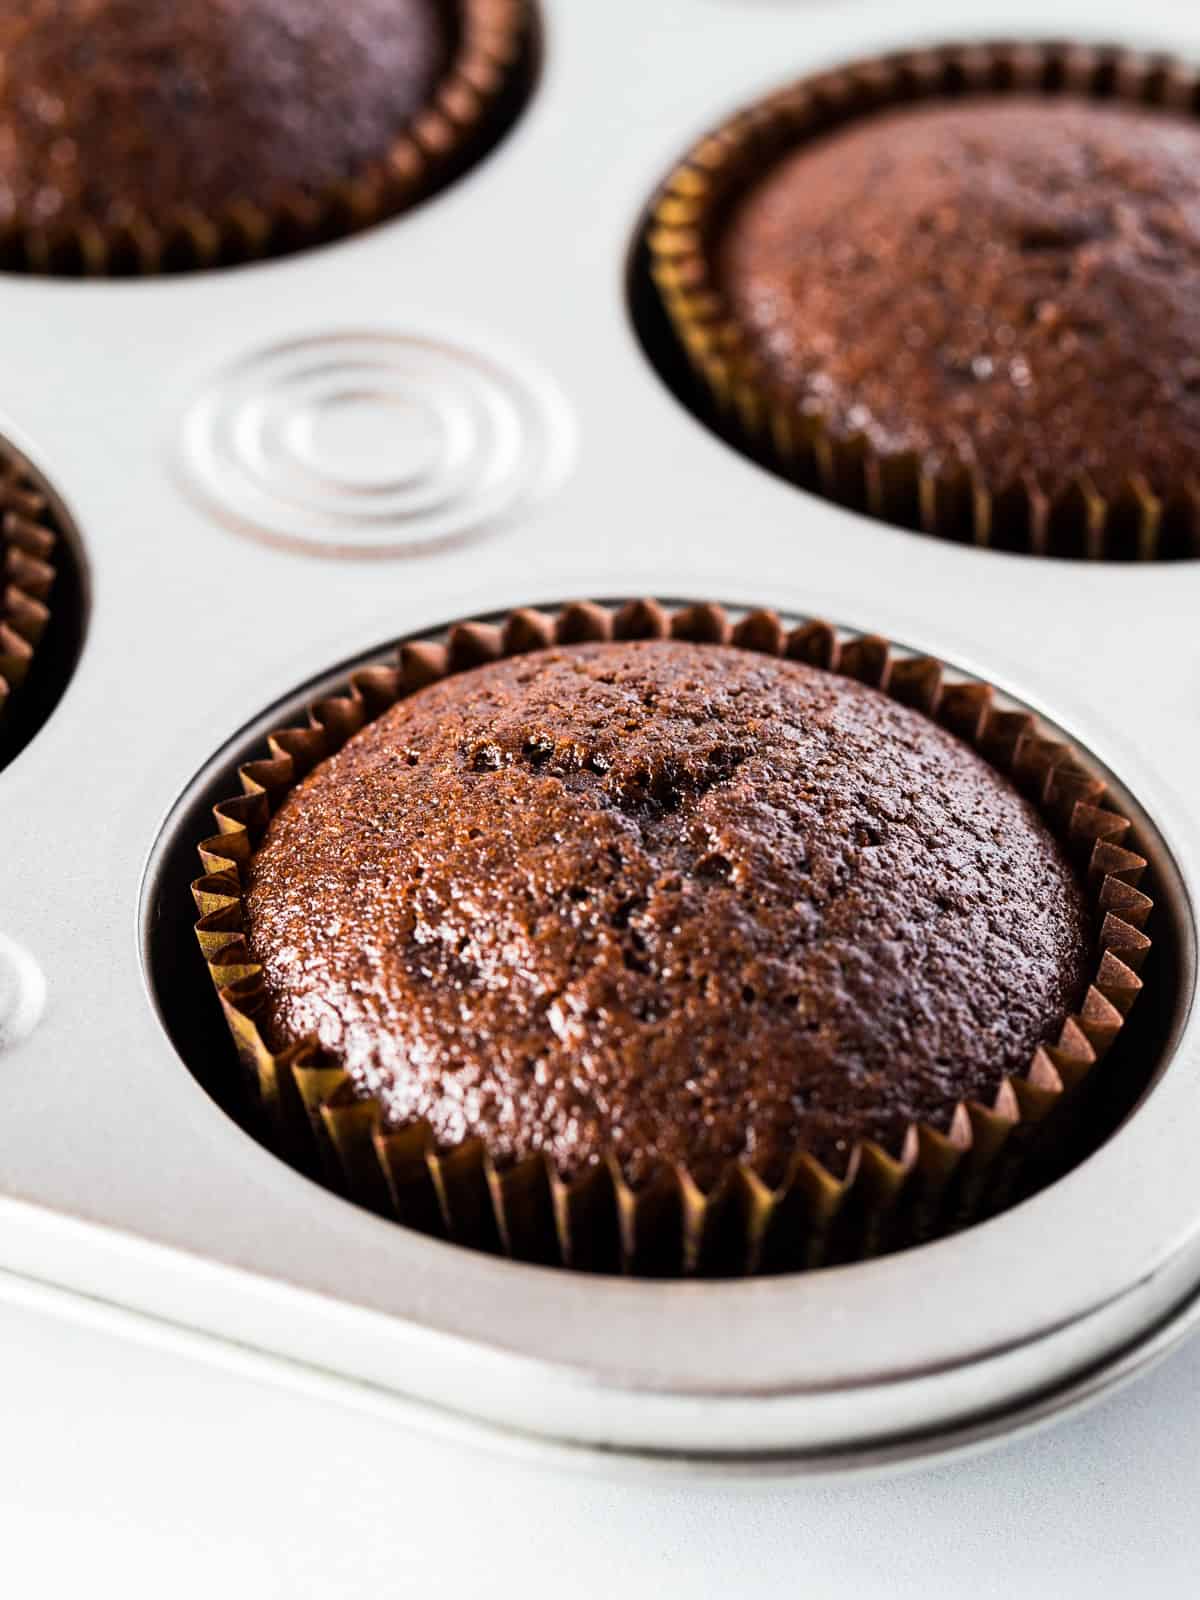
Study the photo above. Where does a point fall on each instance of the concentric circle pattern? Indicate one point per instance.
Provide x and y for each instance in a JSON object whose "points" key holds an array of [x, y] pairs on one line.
{"points": [[373, 443]]}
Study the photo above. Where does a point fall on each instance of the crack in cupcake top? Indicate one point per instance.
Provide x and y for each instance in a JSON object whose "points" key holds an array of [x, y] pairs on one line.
{"points": [[678, 902], [114, 108], [1009, 281]]}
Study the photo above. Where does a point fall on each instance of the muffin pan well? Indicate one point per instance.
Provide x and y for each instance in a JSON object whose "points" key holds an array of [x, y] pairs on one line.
{"points": [[308, 1107], [120, 1178], [276, 129], [988, 222], [1150, 1075]]}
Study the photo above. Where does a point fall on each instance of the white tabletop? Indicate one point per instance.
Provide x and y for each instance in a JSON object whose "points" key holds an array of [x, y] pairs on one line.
{"points": [[145, 1472]]}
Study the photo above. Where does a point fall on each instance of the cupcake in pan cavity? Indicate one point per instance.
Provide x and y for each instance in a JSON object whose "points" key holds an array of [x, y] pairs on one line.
{"points": [[27, 573], [956, 289], [669, 942], [143, 136]]}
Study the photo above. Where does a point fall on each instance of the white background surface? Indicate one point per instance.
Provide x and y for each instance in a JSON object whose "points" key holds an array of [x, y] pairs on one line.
{"points": [[140, 1472]]}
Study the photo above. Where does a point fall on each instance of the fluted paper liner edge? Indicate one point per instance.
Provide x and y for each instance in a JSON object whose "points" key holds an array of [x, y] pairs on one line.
{"points": [[940, 1179], [955, 500], [493, 36], [27, 575]]}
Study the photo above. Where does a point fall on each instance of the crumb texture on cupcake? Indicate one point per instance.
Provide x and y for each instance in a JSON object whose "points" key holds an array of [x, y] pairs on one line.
{"points": [[1012, 282], [110, 109], [678, 902]]}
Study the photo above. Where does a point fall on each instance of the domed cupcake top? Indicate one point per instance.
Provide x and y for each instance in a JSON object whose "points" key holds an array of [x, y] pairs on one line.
{"points": [[1010, 282], [142, 135], [108, 103], [27, 573], [667, 901]]}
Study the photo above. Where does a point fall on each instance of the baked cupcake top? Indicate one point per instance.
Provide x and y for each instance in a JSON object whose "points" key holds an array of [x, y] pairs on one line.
{"points": [[679, 902], [1010, 280], [114, 108]]}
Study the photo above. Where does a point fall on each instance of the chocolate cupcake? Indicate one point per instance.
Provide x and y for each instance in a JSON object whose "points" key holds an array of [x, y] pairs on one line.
{"points": [[674, 901], [970, 312], [26, 578], [141, 135], [694, 924]]}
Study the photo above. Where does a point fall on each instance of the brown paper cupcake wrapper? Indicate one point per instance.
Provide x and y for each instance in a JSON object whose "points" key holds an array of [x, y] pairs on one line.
{"points": [[493, 40], [26, 575], [954, 501], [941, 1178]]}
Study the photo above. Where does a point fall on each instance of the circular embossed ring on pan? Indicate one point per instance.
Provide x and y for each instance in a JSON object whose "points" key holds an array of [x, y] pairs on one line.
{"points": [[373, 443]]}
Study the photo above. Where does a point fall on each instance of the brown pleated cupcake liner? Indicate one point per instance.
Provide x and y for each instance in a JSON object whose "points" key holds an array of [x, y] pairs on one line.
{"points": [[953, 501], [938, 1180], [494, 37], [26, 575]]}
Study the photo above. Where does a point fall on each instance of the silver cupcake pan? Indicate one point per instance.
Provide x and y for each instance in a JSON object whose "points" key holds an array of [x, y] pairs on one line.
{"points": [[275, 469]]}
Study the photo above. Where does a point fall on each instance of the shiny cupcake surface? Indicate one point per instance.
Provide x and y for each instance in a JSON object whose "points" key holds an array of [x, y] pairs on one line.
{"points": [[1007, 281], [114, 108], [667, 901]]}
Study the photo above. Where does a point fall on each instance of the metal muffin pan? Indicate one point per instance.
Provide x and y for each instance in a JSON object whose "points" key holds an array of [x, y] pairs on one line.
{"points": [[469, 402]]}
